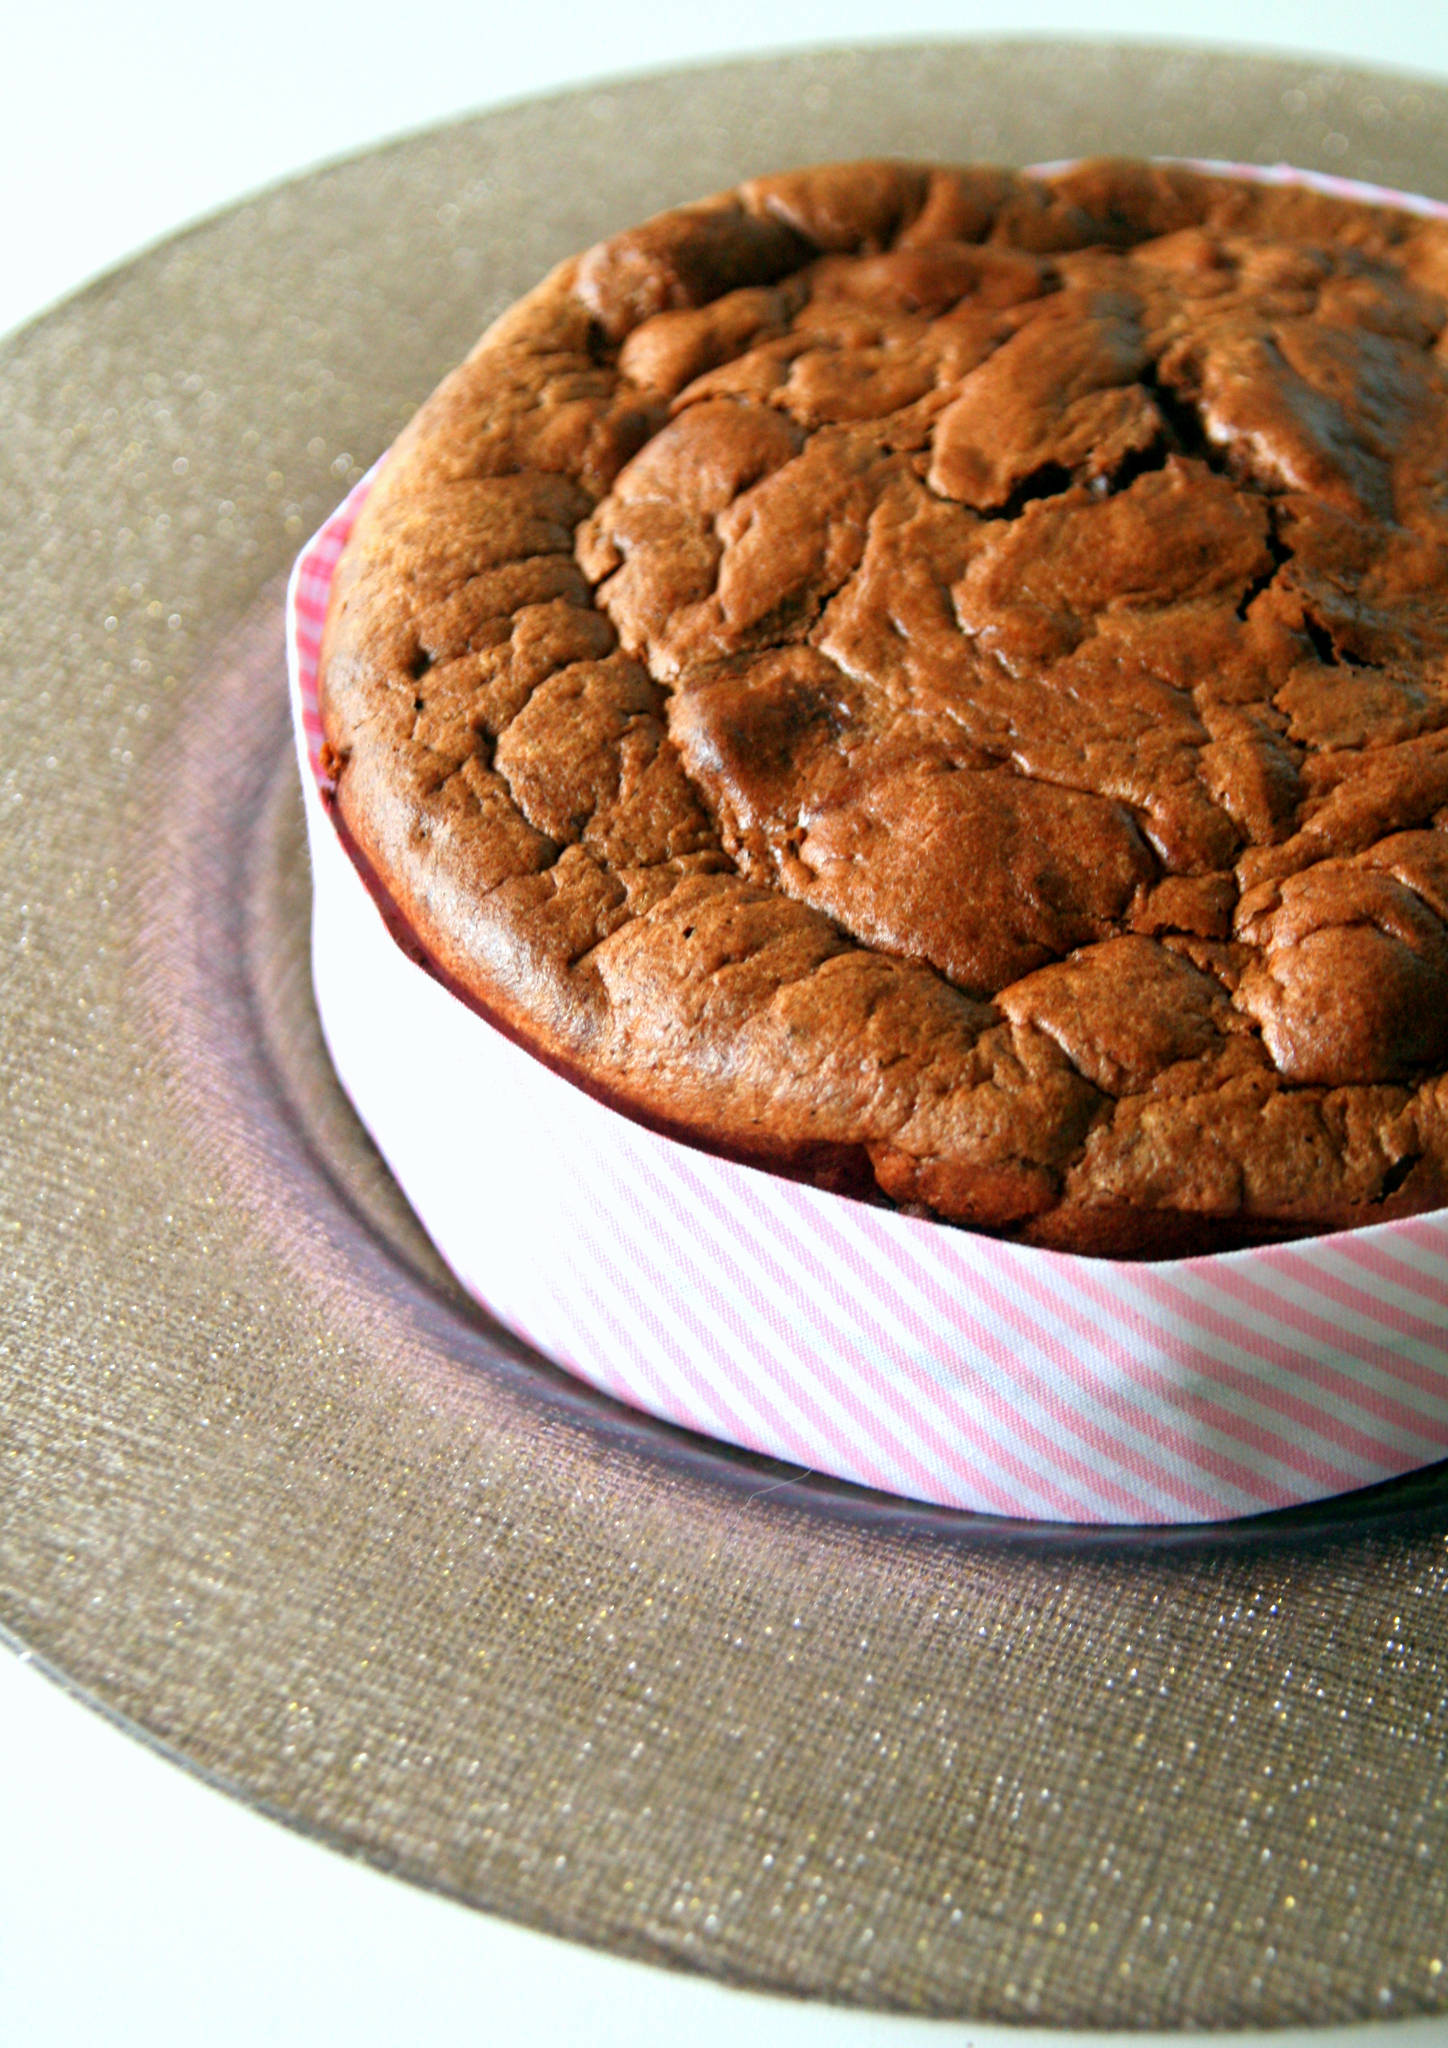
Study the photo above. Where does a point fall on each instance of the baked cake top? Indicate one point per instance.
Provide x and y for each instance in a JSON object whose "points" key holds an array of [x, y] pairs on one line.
{"points": [[935, 680]]}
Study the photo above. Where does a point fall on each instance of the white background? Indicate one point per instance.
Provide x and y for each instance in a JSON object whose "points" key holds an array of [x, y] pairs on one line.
{"points": [[136, 1904]]}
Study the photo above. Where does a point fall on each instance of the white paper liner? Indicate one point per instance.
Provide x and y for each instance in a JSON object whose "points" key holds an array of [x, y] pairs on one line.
{"points": [[852, 1340]]}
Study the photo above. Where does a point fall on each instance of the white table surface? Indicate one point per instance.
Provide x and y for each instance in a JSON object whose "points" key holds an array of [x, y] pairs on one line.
{"points": [[136, 1904]]}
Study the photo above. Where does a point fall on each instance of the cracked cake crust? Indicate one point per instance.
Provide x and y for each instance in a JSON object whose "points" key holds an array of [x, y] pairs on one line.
{"points": [[936, 681]]}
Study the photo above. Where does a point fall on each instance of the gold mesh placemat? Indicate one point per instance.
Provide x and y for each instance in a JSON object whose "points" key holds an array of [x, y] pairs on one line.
{"points": [[272, 1493]]}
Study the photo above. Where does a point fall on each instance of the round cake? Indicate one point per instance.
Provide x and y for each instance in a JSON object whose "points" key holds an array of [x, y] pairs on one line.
{"points": [[935, 682]]}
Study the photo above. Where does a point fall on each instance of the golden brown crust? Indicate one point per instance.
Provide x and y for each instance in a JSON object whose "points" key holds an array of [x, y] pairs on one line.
{"points": [[935, 680]]}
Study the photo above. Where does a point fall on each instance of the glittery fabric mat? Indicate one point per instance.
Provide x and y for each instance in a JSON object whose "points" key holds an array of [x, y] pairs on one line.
{"points": [[270, 1492]]}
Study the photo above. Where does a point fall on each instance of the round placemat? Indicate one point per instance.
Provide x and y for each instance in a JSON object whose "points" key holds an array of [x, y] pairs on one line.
{"points": [[277, 1497]]}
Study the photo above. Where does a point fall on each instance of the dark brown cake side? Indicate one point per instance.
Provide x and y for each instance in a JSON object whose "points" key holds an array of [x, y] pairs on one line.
{"points": [[935, 681]]}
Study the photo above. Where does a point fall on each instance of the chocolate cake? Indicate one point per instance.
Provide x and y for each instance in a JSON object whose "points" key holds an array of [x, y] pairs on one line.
{"points": [[936, 682]]}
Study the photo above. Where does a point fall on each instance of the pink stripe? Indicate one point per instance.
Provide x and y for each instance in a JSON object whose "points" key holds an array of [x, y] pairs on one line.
{"points": [[1428, 1233], [902, 1399], [704, 1279], [603, 1376], [952, 1305], [1177, 1351], [1166, 1432], [895, 1396], [1341, 1433], [708, 1393], [1395, 1317], [639, 1383], [1115, 1344], [1239, 1286], [695, 1285], [1387, 1257], [307, 614], [1323, 1268], [711, 1391]]}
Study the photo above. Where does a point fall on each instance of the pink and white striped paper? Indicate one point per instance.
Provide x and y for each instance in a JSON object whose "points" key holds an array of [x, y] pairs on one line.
{"points": [[901, 1354]]}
